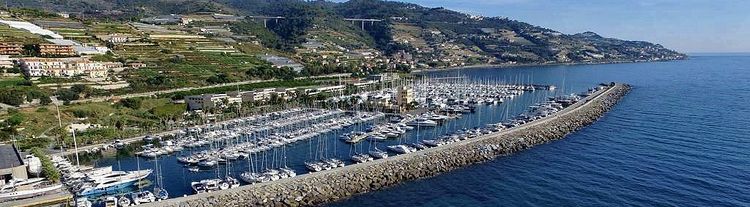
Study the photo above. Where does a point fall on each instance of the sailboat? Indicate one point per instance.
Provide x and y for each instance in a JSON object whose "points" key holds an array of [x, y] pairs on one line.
{"points": [[159, 191]]}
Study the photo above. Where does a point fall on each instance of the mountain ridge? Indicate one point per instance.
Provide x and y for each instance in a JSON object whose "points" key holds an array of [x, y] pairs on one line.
{"points": [[436, 37]]}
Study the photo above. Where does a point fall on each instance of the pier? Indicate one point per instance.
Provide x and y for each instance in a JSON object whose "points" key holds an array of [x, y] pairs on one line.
{"points": [[336, 184]]}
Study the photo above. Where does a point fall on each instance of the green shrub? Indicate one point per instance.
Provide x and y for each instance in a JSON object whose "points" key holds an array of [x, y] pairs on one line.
{"points": [[48, 168]]}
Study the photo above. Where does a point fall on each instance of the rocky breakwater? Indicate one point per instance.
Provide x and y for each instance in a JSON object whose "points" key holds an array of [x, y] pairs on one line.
{"points": [[328, 186]]}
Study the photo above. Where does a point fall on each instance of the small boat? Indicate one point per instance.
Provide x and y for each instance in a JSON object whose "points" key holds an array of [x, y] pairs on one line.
{"points": [[422, 122], [231, 182], [148, 139], [204, 186], [314, 166], [361, 158], [123, 201], [288, 171], [401, 149], [194, 169], [418, 146], [379, 154], [251, 177], [207, 163], [376, 138], [432, 142], [83, 202], [161, 194], [142, 197], [110, 201], [119, 144]]}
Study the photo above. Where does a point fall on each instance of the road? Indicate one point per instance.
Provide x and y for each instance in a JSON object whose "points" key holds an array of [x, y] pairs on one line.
{"points": [[154, 93]]}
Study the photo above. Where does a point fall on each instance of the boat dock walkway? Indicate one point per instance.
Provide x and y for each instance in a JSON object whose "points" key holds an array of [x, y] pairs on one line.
{"points": [[60, 197]]}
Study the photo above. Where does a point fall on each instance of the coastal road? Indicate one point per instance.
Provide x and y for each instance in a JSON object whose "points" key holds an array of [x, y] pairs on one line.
{"points": [[154, 93], [238, 191]]}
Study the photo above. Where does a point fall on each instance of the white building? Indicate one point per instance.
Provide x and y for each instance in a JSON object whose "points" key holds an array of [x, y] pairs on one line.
{"points": [[326, 89], [113, 38], [6, 62], [206, 101], [62, 67]]}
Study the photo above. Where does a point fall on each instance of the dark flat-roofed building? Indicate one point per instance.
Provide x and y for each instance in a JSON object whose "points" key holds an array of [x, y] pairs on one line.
{"points": [[11, 164]]}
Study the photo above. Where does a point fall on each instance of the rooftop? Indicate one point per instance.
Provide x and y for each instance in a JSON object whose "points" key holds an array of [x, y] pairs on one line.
{"points": [[9, 157]]}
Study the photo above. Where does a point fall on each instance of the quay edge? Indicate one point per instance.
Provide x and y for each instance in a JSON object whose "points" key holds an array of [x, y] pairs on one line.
{"points": [[328, 186]]}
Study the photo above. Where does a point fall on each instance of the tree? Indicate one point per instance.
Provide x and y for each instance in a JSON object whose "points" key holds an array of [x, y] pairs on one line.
{"points": [[15, 119], [67, 95], [81, 89], [219, 78], [48, 168], [133, 103], [12, 96]]}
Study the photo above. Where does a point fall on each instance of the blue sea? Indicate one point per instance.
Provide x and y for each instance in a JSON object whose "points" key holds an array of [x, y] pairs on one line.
{"points": [[680, 138]]}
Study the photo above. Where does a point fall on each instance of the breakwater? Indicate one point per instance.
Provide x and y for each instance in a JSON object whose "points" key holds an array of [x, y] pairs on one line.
{"points": [[323, 187]]}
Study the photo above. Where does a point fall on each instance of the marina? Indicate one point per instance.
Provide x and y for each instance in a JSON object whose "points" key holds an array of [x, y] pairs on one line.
{"points": [[284, 144], [354, 179]]}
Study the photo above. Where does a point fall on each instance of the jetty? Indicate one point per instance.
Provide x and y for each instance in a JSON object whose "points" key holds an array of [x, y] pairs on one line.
{"points": [[328, 186]]}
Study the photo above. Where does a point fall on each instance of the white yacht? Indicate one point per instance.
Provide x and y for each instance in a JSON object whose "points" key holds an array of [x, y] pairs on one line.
{"points": [[112, 181], [422, 122], [16, 189]]}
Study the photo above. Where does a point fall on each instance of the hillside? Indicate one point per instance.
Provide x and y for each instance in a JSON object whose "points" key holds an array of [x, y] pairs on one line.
{"points": [[432, 37]]}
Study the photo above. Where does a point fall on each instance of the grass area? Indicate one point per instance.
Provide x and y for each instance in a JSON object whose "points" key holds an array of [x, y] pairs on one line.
{"points": [[193, 69], [116, 119], [111, 28], [10, 81]]}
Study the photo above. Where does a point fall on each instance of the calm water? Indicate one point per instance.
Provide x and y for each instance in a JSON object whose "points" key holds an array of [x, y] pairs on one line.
{"points": [[680, 138], [177, 178]]}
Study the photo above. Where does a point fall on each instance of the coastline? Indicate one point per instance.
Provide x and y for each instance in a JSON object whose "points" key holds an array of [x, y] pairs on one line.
{"points": [[338, 184], [503, 66]]}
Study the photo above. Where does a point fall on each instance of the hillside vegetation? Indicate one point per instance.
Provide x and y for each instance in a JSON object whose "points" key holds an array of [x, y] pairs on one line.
{"points": [[435, 36]]}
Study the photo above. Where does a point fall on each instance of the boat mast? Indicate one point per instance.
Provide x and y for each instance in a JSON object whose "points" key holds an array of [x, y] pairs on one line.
{"points": [[75, 145], [59, 122]]}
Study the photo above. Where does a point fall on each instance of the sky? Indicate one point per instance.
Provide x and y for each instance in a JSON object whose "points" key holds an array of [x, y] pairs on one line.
{"points": [[690, 26]]}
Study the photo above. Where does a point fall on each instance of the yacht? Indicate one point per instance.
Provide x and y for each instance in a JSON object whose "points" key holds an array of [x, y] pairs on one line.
{"points": [[16, 189], [112, 182], [422, 122]]}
